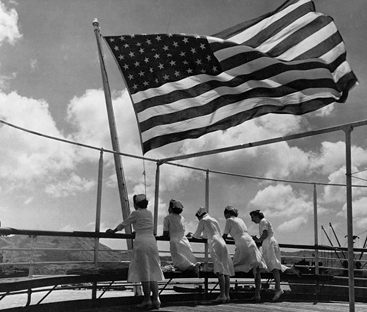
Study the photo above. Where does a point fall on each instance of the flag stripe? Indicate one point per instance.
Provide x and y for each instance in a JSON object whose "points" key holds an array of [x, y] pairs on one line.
{"points": [[255, 60], [286, 33], [211, 90], [292, 60], [257, 31], [167, 135], [274, 95], [267, 68], [221, 116], [304, 39], [336, 48]]}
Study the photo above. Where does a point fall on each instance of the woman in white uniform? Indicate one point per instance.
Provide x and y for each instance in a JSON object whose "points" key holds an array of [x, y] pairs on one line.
{"points": [[174, 227], [270, 249], [223, 266], [247, 256], [145, 263]]}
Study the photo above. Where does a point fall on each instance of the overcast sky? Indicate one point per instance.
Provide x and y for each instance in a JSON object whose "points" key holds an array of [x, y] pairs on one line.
{"points": [[50, 82]]}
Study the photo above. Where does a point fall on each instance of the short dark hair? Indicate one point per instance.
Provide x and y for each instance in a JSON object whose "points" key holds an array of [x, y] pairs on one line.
{"points": [[231, 211], [257, 213]]}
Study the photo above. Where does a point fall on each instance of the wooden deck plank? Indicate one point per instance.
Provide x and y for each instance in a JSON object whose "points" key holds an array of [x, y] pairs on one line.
{"points": [[244, 307], [28, 282], [195, 305], [238, 303]]}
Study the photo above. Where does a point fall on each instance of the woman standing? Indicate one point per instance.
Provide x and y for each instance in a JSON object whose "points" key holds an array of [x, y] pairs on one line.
{"points": [[174, 227], [145, 263], [270, 249], [223, 266], [247, 256]]}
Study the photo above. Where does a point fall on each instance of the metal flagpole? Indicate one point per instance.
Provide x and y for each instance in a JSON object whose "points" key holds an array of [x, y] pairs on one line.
{"points": [[348, 130], [98, 208], [98, 220], [115, 144]]}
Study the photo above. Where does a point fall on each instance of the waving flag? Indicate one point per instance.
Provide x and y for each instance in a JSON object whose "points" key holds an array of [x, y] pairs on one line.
{"points": [[290, 61]]}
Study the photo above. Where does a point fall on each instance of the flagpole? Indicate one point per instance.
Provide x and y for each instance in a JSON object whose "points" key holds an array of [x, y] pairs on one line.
{"points": [[114, 138]]}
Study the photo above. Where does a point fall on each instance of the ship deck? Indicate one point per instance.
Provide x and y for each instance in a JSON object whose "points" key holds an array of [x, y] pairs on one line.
{"points": [[243, 306], [207, 306], [170, 302]]}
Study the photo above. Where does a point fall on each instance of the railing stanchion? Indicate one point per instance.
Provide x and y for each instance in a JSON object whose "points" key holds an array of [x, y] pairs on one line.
{"points": [[206, 244], [316, 234], [31, 258]]}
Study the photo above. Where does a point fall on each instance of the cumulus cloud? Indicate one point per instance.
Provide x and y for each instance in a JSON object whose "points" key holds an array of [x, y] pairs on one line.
{"points": [[292, 225], [9, 30], [280, 160], [335, 193], [267, 160], [27, 158], [362, 223], [330, 158], [359, 208], [281, 125], [360, 179], [338, 193], [265, 127], [87, 114], [4, 80], [283, 201], [359, 212], [70, 186], [40, 159], [325, 111]]}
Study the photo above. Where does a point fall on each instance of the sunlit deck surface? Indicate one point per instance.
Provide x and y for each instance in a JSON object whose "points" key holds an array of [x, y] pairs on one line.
{"points": [[196, 302], [306, 302], [235, 306]]}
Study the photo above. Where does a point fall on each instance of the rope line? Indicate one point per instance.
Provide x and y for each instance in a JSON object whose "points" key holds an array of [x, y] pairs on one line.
{"points": [[174, 164]]}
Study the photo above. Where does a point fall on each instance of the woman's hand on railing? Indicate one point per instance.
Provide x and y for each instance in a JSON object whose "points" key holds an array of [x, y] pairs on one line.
{"points": [[110, 231], [162, 237], [195, 239], [257, 240]]}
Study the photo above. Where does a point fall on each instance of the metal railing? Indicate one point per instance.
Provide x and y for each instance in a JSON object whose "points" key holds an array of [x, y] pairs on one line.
{"points": [[330, 263]]}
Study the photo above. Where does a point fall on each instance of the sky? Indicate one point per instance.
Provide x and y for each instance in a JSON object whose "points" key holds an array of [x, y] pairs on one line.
{"points": [[50, 83]]}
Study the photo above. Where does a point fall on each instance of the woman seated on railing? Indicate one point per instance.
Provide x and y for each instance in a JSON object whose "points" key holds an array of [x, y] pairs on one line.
{"points": [[174, 227]]}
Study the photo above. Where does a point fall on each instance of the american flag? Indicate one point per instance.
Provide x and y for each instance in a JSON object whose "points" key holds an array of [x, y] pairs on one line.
{"points": [[289, 61]]}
